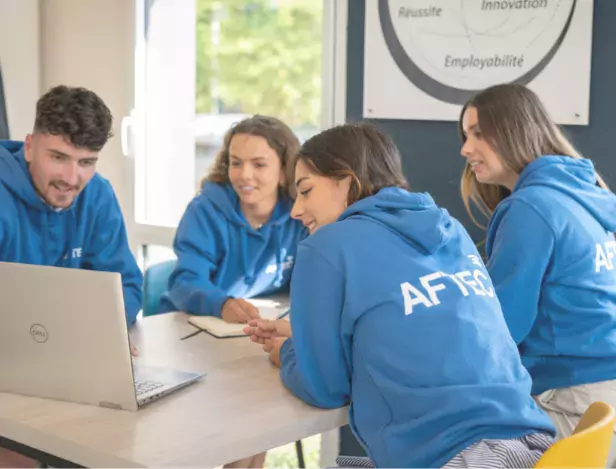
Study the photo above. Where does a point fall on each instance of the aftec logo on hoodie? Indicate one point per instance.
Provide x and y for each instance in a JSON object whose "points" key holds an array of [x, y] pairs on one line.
{"points": [[424, 292], [605, 254], [287, 264], [75, 253]]}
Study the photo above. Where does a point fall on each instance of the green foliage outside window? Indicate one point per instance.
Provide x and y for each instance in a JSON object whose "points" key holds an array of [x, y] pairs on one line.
{"points": [[260, 56]]}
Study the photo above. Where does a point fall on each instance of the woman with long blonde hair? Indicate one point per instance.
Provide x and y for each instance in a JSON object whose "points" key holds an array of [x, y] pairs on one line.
{"points": [[550, 247]]}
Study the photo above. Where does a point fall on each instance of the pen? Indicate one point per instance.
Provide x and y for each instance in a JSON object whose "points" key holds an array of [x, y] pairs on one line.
{"points": [[286, 313], [192, 334]]}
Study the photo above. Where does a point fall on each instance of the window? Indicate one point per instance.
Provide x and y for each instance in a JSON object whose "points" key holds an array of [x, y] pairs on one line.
{"points": [[202, 65], [162, 140], [256, 57]]}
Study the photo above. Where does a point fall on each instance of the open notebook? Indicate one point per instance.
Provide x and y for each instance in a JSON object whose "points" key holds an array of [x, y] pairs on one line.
{"points": [[272, 307]]}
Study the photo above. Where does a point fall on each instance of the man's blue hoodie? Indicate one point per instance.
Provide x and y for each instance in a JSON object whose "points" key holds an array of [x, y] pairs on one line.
{"points": [[551, 252], [392, 311], [221, 256], [88, 235]]}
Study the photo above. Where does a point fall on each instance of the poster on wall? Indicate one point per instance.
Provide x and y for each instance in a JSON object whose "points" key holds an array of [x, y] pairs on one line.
{"points": [[423, 59]]}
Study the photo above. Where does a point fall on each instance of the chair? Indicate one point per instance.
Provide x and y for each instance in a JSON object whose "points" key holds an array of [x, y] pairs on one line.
{"points": [[155, 282], [588, 446]]}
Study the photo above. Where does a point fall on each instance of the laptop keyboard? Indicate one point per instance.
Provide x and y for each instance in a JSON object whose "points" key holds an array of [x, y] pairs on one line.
{"points": [[141, 387]]}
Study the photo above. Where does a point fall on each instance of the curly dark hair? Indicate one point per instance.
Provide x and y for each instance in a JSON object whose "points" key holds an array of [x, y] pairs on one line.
{"points": [[77, 114]]}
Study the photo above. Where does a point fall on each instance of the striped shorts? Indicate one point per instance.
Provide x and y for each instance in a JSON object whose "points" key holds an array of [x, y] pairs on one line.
{"points": [[489, 454], [516, 452]]}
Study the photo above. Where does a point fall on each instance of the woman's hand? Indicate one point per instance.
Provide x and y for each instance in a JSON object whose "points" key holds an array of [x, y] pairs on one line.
{"points": [[261, 330], [272, 346]]}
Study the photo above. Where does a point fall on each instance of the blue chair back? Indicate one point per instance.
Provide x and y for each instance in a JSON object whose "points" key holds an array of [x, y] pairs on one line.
{"points": [[155, 281]]}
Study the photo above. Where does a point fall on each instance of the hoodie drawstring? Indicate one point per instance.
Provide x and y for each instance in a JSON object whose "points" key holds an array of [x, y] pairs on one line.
{"points": [[249, 276], [44, 228], [71, 260], [74, 261], [279, 254]]}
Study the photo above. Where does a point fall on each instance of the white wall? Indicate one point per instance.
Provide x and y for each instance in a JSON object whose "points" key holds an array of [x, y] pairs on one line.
{"points": [[90, 43], [167, 156], [74, 42], [19, 57]]}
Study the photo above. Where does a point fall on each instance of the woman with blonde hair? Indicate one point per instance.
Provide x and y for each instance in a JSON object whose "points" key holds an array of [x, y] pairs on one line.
{"points": [[550, 247]]}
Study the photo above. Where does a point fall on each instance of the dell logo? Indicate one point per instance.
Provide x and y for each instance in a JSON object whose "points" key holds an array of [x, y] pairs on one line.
{"points": [[39, 333]]}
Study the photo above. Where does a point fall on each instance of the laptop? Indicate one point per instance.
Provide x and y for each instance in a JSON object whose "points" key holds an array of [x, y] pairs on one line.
{"points": [[63, 335]]}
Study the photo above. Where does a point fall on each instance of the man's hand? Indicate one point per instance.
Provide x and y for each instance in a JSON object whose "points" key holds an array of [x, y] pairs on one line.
{"points": [[133, 350], [238, 310]]}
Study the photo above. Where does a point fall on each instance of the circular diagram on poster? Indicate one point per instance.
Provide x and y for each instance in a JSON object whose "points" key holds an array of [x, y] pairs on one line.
{"points": [[451, 49]]}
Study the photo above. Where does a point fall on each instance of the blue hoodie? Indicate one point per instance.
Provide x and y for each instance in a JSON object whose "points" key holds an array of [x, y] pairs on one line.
{"points": [[88, 235], [551, 252], [393, 311], [221, 256]]}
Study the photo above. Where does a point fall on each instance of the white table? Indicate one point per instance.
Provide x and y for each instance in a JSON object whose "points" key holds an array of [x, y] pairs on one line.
{"points": [[239, 409]]}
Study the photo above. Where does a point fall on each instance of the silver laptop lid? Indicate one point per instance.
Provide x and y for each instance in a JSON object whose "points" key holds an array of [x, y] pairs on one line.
{"points": [[63, 335]]}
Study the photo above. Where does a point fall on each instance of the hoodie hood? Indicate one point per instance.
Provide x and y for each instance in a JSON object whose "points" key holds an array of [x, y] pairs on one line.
{"points": [[226, 200], [15, 176], [576, 178], [413, 216]]}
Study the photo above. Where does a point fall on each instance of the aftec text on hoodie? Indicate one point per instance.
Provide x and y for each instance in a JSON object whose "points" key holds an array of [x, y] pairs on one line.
{"points": [[88, 235], [551, 252], [393, 311], [220, 255]]}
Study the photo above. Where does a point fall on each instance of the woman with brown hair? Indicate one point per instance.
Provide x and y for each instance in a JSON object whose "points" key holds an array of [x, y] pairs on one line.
{"points": [[392, 311], [236, 239], [550, 247]]}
